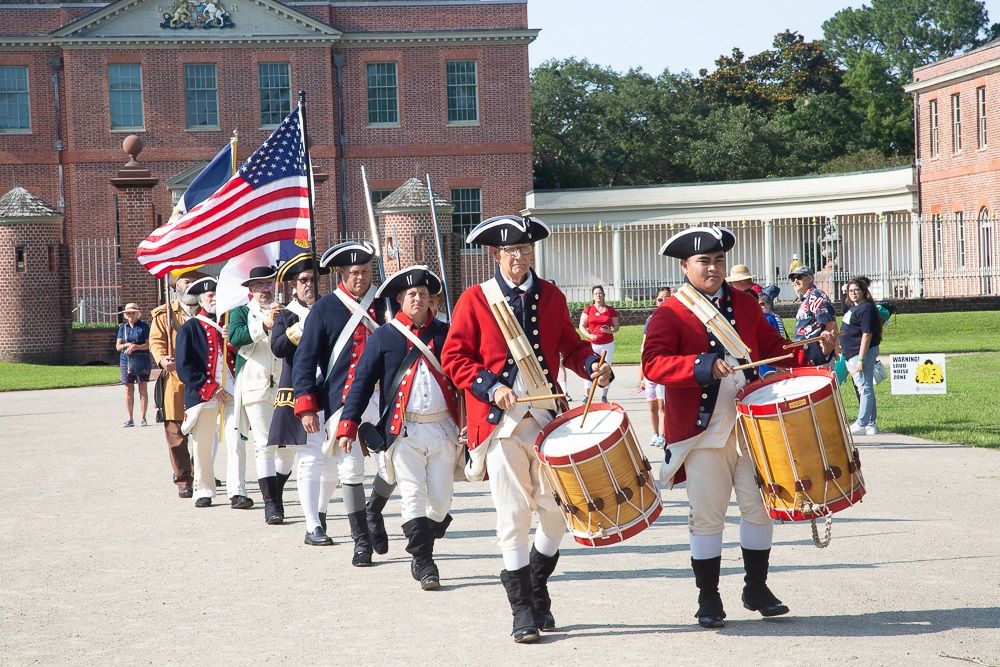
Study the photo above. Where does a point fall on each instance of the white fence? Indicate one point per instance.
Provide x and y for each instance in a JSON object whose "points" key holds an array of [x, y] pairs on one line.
{"points": [[97, 293]]}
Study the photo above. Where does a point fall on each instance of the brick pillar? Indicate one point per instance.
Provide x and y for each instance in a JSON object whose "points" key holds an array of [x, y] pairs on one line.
{"points": [[411, 233], [137, 218]]}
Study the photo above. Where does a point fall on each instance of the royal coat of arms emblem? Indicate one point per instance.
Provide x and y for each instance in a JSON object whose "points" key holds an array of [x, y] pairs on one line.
{"points": [[191, 14]]}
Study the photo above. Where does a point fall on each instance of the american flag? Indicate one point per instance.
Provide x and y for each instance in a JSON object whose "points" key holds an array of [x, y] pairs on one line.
{"points": [[266, 200]]}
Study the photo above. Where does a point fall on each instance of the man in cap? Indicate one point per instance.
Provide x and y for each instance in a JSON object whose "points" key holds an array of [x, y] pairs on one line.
{"points": [[257, 373], [162, 344], [418, 413], [333, 340], [286, 433], [696, 369], [815, 315], [501, 431], [206, 364]]}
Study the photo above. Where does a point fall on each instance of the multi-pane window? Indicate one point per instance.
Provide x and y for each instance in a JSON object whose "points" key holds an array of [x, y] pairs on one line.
{"points": [[463, 105], [935, 144], [960, 240], [981, 115], [15, 108], [275, 93], [956, 123], [468, 211], [936, 243], [379, 195], [383, 96], [125, 86], [19, 262], [201, 95]]}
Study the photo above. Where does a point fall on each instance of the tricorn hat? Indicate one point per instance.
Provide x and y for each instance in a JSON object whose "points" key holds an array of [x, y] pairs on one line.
{"points": [[411, 276], [740, 272], [697, 240], [202, 285], [348, 253], [260, 273], [502, 230], [304, 261]]}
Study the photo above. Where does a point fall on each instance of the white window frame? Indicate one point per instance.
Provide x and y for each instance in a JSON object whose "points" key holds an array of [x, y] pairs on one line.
{"points": [[956, 123], [935, 129]]}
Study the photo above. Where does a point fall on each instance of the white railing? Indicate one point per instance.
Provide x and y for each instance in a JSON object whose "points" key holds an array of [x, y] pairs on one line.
{"points": [[97, 293]]}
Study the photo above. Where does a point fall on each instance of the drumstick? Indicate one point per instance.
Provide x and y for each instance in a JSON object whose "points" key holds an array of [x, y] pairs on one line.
{"points": [[801, 343], [528, 399], [593, 388], [762, 361]]}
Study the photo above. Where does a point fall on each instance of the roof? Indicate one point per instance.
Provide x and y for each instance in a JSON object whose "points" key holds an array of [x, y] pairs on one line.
{"points": [[19, 203], [410, 195]]}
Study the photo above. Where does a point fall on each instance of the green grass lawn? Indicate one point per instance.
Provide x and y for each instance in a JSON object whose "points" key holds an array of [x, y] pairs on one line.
{"points": [[17, 377]]}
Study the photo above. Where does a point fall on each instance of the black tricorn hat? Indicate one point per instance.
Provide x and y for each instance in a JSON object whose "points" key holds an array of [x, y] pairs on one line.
{"points": [[698, 240], [304, 261], [411, 276], [202, 285], [260, 273], [502, 230], [348, 253]]}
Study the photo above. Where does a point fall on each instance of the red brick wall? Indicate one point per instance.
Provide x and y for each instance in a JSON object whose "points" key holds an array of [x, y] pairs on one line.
{"points": [[93, 346]]}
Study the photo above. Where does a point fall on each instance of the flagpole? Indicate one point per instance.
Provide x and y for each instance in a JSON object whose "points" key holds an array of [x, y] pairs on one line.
{"points": [[440, 251], [376, 242], [309, 185], [234, 140]]}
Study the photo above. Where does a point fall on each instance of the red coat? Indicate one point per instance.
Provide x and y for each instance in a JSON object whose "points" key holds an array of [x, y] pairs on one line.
{"points": [[475, 355], [679, 355]]}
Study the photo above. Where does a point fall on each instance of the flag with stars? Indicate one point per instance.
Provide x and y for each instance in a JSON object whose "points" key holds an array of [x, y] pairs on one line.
{"points": [[266, 200]]}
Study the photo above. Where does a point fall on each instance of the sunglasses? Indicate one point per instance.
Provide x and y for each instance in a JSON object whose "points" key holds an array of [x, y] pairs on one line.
{"points": [[306, 281], [661, 299]]}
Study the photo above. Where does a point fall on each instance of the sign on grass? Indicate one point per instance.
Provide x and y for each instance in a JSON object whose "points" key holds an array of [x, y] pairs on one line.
{"points": [[918, 374]]}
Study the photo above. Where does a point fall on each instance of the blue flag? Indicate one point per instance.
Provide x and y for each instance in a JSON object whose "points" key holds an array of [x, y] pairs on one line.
{"points": [[207, 183]]}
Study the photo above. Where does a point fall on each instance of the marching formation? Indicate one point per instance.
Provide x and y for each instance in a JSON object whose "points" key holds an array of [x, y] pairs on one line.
{"points": [[375, 371]]}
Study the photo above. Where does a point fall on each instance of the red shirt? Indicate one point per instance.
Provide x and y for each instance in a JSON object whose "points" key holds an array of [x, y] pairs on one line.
{"points": [[596, 320]]}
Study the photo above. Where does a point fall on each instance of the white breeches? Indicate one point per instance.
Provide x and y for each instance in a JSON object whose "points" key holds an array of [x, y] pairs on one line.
{"points": [[424, 463], [203, 438]]}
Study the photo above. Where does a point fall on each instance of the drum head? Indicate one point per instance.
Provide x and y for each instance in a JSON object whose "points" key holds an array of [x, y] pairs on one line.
{"points": [[786, 389], [571, 437]]}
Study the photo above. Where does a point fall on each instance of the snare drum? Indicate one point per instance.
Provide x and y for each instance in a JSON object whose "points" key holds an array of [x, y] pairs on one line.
{"points": [[793, 426], [600, 479]]}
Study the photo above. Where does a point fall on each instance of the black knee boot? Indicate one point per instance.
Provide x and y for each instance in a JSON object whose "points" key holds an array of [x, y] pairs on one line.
{"points": [[756, 595], [706, 577], [420, 545], [268, 486], [362, 540], [279, 489], [518, 586], [542, 567], [376, 524], [439, 528]]}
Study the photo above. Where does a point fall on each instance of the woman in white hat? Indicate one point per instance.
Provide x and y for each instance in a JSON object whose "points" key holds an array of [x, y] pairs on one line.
{"points": [[133, 359]]}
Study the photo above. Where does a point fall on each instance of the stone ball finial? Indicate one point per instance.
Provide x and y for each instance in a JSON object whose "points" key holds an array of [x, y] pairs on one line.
{"points": [[132, 145]]}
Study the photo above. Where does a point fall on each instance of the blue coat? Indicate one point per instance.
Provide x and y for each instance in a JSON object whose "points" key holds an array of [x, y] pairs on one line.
{"points": [[198, 347]]}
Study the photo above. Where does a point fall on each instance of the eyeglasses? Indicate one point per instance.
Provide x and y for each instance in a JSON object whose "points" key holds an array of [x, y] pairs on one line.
{"points": [[306, 281], [518, 250], [661, 299]]}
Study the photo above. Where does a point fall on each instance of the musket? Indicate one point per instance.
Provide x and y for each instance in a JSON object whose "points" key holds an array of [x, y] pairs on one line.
{"points": [[437, 242], [379, 261]]}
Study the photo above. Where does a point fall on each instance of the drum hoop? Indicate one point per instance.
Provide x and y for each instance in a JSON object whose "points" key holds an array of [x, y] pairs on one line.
{"points": [[784, 406], [837, 505], [641, 523], [583, 455]]}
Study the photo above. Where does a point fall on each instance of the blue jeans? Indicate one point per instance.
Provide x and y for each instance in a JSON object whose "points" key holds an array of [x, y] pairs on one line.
{"points": [[864, 381]]}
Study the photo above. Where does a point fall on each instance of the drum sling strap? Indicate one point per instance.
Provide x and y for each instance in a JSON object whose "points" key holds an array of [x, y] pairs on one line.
{"points": [[359, 315]]}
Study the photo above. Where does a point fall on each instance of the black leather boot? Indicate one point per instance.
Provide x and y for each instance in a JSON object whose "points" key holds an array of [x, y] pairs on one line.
{"points": [[362, 540], [706, 577], [420, 545], [267, 488], [439, 528], [376, 523], [542, 567], [322, 520], [756, 595], [518, 586], [279, 489]]}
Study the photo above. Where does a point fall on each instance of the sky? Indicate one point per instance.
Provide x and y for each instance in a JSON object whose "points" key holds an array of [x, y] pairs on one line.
{"points": [[675, 34]]}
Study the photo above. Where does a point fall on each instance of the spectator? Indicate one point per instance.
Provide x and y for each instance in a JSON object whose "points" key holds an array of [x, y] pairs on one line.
{"points": [[654, 391], [599, 322], [743, 280], [766, 302], [133, 358], [860, 337], [815, 314]]}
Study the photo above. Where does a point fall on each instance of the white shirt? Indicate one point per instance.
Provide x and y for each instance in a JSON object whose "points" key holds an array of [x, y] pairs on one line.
{"points": [[426, 397]]}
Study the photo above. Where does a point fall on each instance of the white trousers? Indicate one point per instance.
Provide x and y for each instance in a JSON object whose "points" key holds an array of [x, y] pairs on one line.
{"points": [[424, 463], [519, 488], [259, 414], [712, 476], [203, 439], [598, 348], [319, 475]]}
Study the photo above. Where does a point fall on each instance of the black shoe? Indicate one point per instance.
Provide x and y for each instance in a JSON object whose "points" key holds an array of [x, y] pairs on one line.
{"points": [[420, 545], [240, 503], [541, 568], [518, 587], [318, 538], [362, 540], [711, 613], [376, 523], [203, 502], [430, 582], [185, 491], [756, 595]]}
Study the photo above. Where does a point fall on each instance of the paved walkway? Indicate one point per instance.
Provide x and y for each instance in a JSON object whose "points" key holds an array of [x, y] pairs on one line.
{"points": [[101, 563]]}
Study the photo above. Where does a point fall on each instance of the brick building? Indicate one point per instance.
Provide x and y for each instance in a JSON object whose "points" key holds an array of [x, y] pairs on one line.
{"points": [[403, 87], [957, 131]]}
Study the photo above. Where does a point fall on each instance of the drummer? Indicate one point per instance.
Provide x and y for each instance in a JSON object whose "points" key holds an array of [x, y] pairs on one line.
{"points": [[700, 383], [479, 359]]}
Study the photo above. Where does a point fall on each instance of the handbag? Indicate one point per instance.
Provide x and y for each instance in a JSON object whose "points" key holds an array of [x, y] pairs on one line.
{"points": [[159, 391]]}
